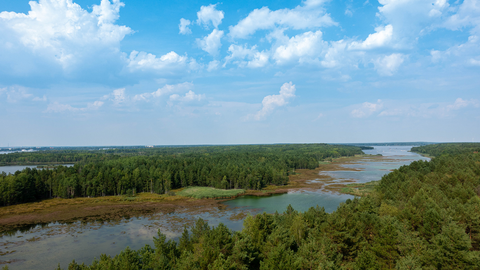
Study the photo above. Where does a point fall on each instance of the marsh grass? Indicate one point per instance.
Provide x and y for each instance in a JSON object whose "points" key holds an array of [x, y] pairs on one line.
{"points": [[53, 204], [209, 192], [358, 189]]}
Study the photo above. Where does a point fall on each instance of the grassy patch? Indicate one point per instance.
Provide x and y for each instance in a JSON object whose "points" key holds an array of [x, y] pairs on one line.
{"points": [[358, 189], [209, 192]]}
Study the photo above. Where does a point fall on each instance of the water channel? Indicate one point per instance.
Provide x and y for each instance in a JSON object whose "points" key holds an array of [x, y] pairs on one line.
{"points": [[43, 247], [13, 169]]}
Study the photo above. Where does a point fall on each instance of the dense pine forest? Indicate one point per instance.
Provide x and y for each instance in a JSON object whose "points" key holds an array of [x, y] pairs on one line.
{"points": [[422, 216], [447, 148], [129, 171]]}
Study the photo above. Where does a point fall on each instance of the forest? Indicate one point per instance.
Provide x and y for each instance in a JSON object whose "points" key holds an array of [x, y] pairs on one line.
{"points": [[436, 150], [422, 216], [159, 170]]}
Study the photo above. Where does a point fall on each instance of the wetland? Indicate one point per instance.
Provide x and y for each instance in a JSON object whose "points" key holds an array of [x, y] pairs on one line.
{"points": [[41, 234]]}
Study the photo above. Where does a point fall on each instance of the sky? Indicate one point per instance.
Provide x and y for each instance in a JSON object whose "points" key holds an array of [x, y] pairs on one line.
{"points": [[100, 72]]}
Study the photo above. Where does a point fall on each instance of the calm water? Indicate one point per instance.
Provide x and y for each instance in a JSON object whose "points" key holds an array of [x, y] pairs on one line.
{"points": [[45, 247], [300, 201], [394, 158], [13, 169]]}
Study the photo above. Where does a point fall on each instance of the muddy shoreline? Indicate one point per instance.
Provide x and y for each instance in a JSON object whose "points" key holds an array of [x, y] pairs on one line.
{"points": [[120, 207]]}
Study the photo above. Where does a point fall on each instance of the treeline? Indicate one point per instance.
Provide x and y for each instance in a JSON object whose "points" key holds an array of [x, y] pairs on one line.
{"points": [[422, 216], [447, 148], [53, 156], [246, 167], [94, 155]]}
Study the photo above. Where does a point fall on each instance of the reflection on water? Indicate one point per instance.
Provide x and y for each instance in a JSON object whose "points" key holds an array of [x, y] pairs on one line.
{"points": [[42, 247], [45, 247], [394, 158], [13, 169], [300, 201]]}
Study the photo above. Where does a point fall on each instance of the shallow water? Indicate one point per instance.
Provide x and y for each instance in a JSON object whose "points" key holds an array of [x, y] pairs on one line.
{"points": [[394, 158], [299, 200], [45, 247], [13, 169], [62, 243]]}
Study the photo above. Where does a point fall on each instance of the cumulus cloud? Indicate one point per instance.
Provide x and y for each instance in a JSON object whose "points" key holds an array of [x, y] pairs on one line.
{"points": [[271, 102], [462, 103], [366, 109], [212, 42], [302, 17], [188, 97], [18, 93], [167, 89], [183, 26], [56, 107], [387, 65], [468, 15], [142, 61], [300, 48], [381, 37], [246, 57], [61, 34], [209, 15], [213, 65], [118, 96], [411, 18]]}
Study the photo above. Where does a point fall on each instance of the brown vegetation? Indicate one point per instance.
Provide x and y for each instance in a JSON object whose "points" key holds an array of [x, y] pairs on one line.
{"points": [[120, 207]]}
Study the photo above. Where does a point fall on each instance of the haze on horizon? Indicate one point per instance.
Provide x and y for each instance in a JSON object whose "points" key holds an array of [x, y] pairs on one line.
{"points": [[100, 72]]}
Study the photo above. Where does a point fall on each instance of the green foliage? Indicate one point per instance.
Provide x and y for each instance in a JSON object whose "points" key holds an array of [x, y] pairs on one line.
{"points": [[422, 216], [447, 148], [208, 192], [159, 170]]}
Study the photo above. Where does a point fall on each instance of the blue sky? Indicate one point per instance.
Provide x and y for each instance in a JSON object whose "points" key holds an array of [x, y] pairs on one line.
{"points": [[99, 72]]}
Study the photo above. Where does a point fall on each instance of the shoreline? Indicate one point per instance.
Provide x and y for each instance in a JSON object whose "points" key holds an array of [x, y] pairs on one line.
{"points": [[119, 207]]}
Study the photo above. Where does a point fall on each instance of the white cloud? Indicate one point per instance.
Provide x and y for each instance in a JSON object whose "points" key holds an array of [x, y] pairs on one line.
{"points": [[56, 107], [15, 94], [461, 103], [260, 59], [148, 62], [468, 15], [213, 65], [212, 42], [118, 96], [429, 110], [348, 12], [411, 18], [61, 32], [188, 97], [301, 17], [474, 62], [334, 54], [254, 58], [300, 48], [366, 109], [44, 98], [381, 37], [388, 64], [18, 93], [167, 89], [183, 26], [269, 103], [314, 3], [209, 15]]}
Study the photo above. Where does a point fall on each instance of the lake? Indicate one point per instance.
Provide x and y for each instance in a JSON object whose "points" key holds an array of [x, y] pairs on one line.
{"points": [[43, 247], [13, 169]]}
